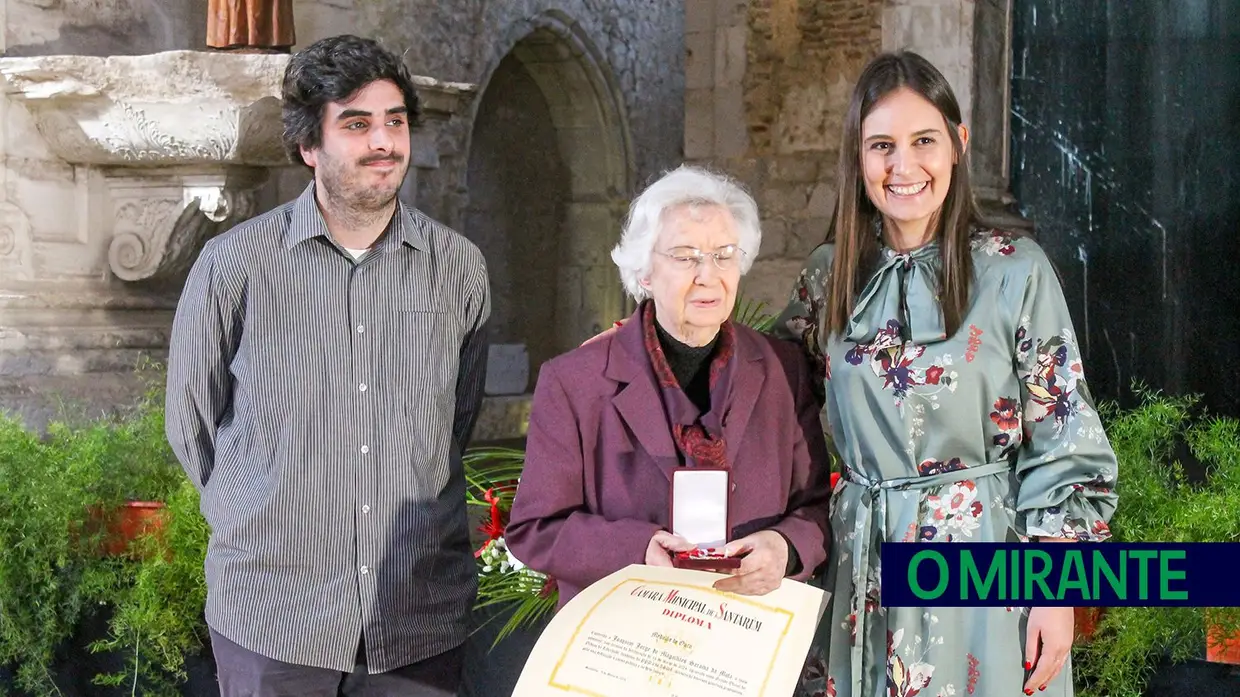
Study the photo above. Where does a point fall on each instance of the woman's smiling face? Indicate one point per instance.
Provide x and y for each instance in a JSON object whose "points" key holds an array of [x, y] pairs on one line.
{"points": [[907, 159]]}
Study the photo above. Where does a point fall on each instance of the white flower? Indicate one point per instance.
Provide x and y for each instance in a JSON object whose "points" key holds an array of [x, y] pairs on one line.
{"points": [[953, 511]]}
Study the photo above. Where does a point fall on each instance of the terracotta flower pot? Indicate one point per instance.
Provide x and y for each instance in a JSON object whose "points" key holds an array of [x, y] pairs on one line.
{"points": [[129, 522], [1226, 652], [1087, 619]]}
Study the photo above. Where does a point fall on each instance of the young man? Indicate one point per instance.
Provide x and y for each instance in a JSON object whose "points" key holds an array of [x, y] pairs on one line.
{"points": [[325, 371]]}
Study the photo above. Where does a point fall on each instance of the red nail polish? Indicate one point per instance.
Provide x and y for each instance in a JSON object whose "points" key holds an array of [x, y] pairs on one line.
{"points": [[1042, 689], [1028, 691], [1028, 665]]}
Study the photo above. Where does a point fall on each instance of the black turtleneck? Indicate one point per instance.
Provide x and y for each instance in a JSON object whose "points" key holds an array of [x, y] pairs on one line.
{"points": [[690, 365]]}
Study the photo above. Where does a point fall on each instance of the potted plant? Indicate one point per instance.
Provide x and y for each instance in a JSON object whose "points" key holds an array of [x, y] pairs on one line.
{"points": [[1160, 502], [157, 621], [59, 491]]}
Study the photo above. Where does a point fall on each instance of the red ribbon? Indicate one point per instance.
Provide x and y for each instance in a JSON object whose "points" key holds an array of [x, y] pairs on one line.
{"points": [[494, 528]]}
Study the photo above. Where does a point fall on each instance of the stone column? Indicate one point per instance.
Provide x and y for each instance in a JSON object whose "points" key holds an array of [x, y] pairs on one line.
{"points": [[942, 32], [970, 41], [766, 86]]}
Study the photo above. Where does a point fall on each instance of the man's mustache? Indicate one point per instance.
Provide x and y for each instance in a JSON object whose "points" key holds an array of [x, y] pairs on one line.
{"points": [[386, 159]]}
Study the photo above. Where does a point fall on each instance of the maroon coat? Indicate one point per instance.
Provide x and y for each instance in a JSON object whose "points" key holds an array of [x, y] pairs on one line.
{"points": [[600, 454]]}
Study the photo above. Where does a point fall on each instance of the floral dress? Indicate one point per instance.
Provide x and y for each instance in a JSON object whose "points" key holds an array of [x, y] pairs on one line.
{"points": [[986, 436]]}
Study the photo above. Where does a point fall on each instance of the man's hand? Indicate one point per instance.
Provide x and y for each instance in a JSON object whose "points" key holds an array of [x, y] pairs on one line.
{"points": [[762, 569], [663, 545]]}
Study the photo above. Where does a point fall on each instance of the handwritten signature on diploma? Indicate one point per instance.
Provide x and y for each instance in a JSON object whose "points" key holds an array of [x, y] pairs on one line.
{"points": [[695, 611]]}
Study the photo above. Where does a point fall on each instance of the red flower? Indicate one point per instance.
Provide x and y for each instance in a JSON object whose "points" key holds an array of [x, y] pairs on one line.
{"points": [[933, 373], [494, 527], [549, 587], [1004, 415]]}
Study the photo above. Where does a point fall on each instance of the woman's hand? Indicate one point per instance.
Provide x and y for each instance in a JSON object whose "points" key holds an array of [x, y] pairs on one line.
{"points": [[1052, 627], [663, 545], [762, 569]]}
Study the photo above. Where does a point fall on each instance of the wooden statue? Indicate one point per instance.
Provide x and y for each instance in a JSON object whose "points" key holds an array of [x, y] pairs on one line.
{"points": [[250, 25]]}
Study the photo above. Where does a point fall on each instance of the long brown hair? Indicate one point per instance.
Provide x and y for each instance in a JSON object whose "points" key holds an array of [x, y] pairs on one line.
{"points": [[852, 228]]}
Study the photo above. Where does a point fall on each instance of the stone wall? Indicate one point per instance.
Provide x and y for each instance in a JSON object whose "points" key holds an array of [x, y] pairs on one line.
{"points": [[69, 328], [767, 84], [641, 43], [756, 88], [101, 27]]}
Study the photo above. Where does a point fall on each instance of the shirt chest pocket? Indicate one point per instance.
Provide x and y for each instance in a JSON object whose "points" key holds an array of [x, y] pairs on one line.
{"points": [[422, 354]]}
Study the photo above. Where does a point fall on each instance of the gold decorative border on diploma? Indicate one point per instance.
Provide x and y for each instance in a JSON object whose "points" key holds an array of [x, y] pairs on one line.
{"points": [[783, 634]]}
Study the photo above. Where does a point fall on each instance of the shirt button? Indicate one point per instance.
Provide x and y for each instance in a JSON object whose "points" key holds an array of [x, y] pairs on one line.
{"points": [[361, 328], [362, 387], [365, 570], [365, 449], [365, 509]]}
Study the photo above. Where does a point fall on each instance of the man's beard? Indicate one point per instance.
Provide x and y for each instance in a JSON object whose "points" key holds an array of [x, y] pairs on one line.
{"points": [[344, 187]]}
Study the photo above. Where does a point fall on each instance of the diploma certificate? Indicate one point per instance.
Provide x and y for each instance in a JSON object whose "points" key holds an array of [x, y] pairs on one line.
{"points": [[666, 632]]}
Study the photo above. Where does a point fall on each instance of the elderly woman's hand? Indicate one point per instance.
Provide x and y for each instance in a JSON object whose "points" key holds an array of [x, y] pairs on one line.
{"points": [[663, 545], [762, 569]]}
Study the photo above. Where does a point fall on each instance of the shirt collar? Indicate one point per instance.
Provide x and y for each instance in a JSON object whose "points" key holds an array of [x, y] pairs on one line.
{"points": [[407, 226]]}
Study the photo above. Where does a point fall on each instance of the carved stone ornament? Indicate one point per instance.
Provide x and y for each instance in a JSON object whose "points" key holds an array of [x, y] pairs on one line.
{"points": [[161, 221], [172, 108]]}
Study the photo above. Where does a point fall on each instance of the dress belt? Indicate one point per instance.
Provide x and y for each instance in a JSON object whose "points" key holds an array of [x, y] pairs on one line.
{"points": [[871, 511]]}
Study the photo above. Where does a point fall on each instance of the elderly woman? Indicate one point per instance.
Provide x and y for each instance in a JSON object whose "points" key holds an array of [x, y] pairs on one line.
{"points": [[678, 386]]}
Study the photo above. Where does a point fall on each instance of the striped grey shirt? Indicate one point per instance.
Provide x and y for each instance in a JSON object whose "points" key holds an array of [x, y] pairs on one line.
{"points": [[320, 405]]}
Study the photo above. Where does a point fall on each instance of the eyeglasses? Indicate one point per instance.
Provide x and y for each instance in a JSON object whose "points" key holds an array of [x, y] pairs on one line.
{"points": [[726, 258]]}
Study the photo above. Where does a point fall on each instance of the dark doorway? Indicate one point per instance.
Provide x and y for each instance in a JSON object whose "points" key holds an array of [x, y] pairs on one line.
{"points": [[518, 189]]}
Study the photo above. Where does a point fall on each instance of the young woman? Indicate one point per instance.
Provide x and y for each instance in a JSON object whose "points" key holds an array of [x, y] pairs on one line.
{"points": [[955, 399]]}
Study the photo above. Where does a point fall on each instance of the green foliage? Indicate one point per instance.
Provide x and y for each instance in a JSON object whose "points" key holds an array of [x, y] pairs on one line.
{"points": [[55, 494], [1158, 503], [157, 620], [753, 314], [504, 586]]}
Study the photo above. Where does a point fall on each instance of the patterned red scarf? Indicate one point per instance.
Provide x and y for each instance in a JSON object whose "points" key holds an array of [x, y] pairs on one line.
{"points": [[697, 445]]}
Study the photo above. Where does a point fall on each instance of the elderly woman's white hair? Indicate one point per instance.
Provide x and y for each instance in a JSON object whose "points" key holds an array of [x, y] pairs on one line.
{"points": [[685, 185]]}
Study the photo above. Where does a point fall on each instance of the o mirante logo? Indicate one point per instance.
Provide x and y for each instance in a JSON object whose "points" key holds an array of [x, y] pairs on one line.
{"points": [[1063, 574]]}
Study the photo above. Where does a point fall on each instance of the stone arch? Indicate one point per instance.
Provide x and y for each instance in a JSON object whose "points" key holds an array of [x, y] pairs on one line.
{"points": [[548, 181]]}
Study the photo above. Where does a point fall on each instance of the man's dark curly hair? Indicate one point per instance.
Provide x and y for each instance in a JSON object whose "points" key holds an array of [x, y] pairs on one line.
{"points": [[333, 70]]}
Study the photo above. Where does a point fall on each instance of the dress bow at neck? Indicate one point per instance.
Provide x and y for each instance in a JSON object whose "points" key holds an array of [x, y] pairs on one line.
{"points": [[903, 289]]}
